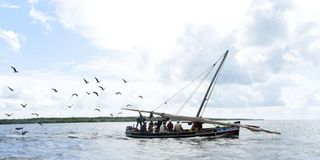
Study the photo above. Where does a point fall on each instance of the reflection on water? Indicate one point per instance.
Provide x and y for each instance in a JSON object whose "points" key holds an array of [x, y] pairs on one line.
{"points": [[299, 140]]}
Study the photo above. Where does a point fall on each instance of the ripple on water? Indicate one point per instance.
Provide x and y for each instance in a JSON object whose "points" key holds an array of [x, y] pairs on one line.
{"points": [[108, 141], [16, 158]]}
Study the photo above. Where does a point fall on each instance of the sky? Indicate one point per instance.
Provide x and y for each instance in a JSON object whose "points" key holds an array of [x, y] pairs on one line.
{"points": [[272, 71]]}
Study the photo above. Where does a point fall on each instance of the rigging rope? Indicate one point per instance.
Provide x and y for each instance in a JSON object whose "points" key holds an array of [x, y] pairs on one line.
{"points": [[214, 84], [184, 87], [206, 70], [194, 91]]}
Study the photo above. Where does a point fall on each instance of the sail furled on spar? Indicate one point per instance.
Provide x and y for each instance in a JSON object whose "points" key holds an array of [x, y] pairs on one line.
{"points": [[204, 120]]}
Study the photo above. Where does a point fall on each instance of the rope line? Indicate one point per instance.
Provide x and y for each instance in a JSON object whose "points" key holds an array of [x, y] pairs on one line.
{"points": [[184, 87], [214, 84], [206, 70], [194, 91]]}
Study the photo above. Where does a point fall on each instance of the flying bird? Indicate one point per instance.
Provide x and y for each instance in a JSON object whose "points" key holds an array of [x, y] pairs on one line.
{"points": [[7, 114], [96, 93], [111, 114], [10, 89], [55, 90], [74, 94], [118, 93], [19, 128], [97, 109], [129, 105], [102, 88], [35, 114], [85, 81], [70, 106], [124, 81], [98, 81], [24, 132], [140, 97], [14, 69], [88, 93], [24, 105]]}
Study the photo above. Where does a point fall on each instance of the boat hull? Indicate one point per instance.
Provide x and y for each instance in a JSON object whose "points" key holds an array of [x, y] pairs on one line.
{"points": [[221, 132]]}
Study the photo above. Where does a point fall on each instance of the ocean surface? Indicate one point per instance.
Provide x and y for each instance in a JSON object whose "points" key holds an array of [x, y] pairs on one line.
{"points": [[99, 141]]}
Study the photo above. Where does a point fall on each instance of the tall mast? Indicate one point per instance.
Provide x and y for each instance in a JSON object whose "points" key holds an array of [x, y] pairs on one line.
{"points": [[206, 97]]}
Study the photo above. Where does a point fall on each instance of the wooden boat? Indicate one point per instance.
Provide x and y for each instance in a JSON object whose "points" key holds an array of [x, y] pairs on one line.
{"points": [[217, 132], [220, 130]]}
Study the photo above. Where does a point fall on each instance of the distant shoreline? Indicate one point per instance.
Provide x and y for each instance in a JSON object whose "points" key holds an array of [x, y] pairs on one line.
{"points": [[87, 120]]}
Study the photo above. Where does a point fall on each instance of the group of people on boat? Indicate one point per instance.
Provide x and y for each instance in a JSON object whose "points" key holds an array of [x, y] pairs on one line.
{"points": [[160, 126], [168, 127], [163, 126]]}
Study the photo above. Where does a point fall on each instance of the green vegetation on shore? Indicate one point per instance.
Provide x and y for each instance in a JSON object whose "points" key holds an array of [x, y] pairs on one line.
{"points": [[68, 120], [83, 120]]}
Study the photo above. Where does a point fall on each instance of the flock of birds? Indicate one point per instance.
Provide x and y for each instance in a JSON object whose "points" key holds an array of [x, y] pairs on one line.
{"points": [[24, 105]]}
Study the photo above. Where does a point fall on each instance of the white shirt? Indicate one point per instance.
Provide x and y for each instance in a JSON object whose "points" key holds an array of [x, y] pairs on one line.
{"points": [[178, 127], [162, 129]]}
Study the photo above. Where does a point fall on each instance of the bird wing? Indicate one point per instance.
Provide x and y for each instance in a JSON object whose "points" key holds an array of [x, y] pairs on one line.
{"points": [[97, 79], [14, 69]]}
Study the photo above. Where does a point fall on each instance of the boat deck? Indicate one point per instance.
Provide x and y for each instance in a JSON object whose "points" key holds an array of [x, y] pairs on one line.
{"points": [[232, 132]]}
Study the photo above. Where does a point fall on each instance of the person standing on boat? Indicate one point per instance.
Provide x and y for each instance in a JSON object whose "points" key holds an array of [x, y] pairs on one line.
{"points": [[196, 126], [178, 127], [170, 126], [158, 125], [140, 120], [163, 128], [143, 127], [150, 128]]}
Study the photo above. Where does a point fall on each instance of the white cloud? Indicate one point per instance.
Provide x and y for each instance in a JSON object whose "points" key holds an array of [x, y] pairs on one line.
{"points": [[263, 36], [271, 71], [41, 99], [41, 17], [33, 1], [155, 25], [12, 38], [10, 6], [314, 98]]}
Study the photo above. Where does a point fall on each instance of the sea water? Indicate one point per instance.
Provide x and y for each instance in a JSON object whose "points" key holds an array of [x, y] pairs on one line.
{"points": [[99, 141]]}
